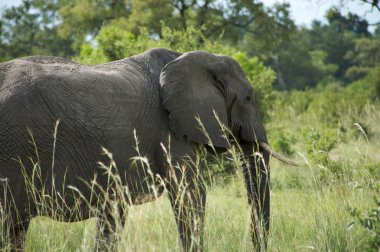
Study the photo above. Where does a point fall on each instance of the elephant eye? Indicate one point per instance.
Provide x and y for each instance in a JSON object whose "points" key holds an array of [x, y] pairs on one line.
{"points": [[248, 98]]}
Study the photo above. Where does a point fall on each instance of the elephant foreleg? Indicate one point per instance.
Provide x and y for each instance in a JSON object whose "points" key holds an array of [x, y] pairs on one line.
{"points": [[18, 235], [188, 199], [109, 225], [256, 176]]}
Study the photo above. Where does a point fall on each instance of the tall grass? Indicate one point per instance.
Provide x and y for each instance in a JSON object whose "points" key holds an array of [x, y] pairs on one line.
{"points": [[314, 219]]}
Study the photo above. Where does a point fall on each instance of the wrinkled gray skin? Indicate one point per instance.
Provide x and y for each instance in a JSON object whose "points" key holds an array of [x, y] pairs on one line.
{"points": [[159, 93]]}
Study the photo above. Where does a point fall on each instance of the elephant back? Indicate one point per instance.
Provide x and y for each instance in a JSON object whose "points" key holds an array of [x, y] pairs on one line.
{"points": [[47, 60]]}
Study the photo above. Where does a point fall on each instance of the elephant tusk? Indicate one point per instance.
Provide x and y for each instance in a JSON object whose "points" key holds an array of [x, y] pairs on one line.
{"points": [[276, 155]]}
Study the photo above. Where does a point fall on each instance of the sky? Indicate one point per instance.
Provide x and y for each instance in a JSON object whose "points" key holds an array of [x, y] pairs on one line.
{"points": [[302, 11]]}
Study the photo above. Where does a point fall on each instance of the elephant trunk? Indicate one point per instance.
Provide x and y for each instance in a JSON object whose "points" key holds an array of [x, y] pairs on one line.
{"points": [[255, 168], [252, 129]]}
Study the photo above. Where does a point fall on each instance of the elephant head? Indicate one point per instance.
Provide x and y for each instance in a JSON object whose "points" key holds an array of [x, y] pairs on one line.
{"points": [[199, 85]]}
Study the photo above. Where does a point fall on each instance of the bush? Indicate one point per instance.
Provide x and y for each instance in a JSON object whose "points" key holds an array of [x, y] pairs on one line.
{"points": [[318, 143], [371, 83], [283, 141], [113, 43], [370, 221]]}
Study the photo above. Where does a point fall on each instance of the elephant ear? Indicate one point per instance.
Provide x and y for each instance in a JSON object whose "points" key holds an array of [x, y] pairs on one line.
{"points": [[190, 89]]}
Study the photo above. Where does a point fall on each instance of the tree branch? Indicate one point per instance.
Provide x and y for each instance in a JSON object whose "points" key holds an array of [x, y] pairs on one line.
{"points": [[374, 3]]}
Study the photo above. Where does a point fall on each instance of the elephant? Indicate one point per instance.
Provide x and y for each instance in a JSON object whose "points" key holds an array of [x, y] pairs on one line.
{"points": [[59, 116]]}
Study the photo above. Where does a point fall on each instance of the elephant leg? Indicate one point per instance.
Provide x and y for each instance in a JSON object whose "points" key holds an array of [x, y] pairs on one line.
{"points": [[107, 237], [256, 176], [188, 199], [18, 235]]}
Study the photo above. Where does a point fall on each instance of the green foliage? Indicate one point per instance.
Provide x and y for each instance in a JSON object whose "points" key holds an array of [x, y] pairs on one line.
{"points": [[370, 221], [318, 58], [351, 22], [318, 143], [294, 64], [333, 103], [329, 104], [114, 43], [372, 168], [275, 28], [89, 55], [337, 38], [372, 83], [364, 56], [329, 118], [303, 57], [27, 29], [268, 37], [283, 141], [190, 40], [297, 102], [149, 14], [86, 17]]}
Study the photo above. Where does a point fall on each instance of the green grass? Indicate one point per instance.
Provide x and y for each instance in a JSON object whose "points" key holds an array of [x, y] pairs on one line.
{"points": [[302, 220]]}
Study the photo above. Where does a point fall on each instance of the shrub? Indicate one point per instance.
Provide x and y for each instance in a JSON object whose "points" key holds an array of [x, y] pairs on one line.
{"points": [[283, 141], [318, 143], [300, 101], [113, 43], [372, 83], [370, 221]]}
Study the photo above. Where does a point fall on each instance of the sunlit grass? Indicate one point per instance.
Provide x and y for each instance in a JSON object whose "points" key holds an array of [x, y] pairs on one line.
{"points": [[306, 215], [313, 219]]}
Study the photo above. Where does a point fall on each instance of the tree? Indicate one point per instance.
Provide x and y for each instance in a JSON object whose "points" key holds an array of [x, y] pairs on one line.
{"points": [[338, 37], [374, 3], [301, 67], [84, 18], [363, 57], [271, 32], [29, 29]]}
